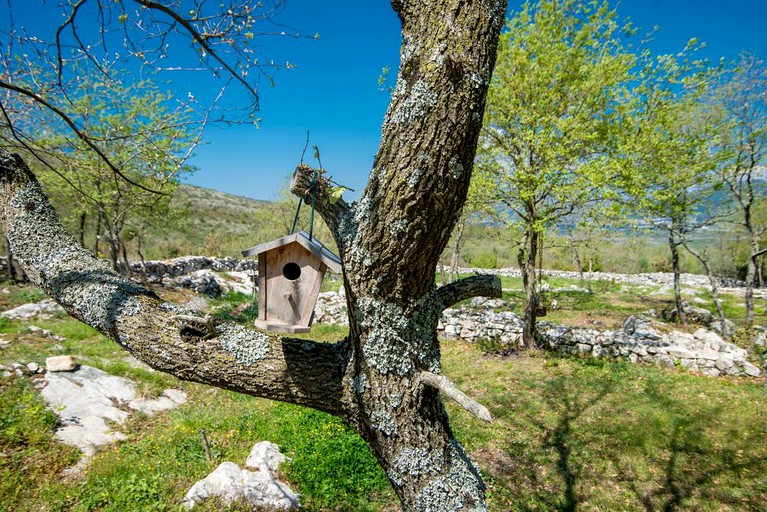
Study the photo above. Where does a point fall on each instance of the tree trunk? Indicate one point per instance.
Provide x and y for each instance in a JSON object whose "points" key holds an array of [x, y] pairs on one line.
{"points": [[673, 245], [124, 264], [750, 279], [140, 249], [702, 256], [532, 301], [97, 237], [384, 377], [12, 268], [457, 248], [81, 231], [578, 266]]}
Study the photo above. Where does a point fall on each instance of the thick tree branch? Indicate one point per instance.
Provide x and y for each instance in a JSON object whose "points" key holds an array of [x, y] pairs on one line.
{"points": [[443, 384], [161, 334], [483, 285]]}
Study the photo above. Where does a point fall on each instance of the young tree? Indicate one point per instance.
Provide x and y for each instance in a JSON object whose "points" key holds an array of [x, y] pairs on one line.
{"points": [[561, 67], [743, 97], [384, 377], [668, 154], [141, 132]]}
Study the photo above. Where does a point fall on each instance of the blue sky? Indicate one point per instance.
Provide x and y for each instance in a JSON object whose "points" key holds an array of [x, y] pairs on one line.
{"points": [[333, 91]]}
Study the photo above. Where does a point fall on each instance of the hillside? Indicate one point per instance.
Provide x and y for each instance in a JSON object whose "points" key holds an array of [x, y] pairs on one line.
{"points": [[215, 223]]}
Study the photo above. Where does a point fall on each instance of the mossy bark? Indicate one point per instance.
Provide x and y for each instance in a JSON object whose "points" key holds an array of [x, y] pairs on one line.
{"points": [[391, 239], [390, 242]]}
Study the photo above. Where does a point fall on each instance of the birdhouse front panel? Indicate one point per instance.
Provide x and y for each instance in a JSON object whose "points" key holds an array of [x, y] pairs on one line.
{"points": [[293, 279]]}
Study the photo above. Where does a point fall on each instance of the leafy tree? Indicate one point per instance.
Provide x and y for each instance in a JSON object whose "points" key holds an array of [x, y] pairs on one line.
{"points": [[141, 133], [669, 157], [384, 377], [549, 119], [743, 97]]}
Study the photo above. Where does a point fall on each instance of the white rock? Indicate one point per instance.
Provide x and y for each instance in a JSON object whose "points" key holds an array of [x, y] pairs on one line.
{"points": [[45, 308], [679, 351], [712, 338], [60, 364], [712, 355], [90, 402], [33, 367], [681, 338], [751, 370], [265, 456], [725, 361], [169, 399], [229, 483], [700, 333]]}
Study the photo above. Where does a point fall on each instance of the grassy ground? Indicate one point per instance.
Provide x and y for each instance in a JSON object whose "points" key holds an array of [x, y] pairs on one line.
{"points": [[568, 434]]}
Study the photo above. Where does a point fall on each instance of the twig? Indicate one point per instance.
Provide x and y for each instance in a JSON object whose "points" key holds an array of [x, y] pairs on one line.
{"points": [[443, 384], [205, 445]]}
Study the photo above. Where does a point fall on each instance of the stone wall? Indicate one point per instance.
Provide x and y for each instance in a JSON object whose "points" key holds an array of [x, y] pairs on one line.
{"points": [[157, 270], [639, 340], [644, 279]]}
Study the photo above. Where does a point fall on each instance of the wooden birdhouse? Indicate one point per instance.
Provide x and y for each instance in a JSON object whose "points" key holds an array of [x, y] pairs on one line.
{"points": [[290, 273]]}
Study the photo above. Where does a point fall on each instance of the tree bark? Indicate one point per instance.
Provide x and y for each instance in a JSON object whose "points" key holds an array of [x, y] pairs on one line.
{"points": [[702, 256], [673, 245], [579, 266], [81, 232], [531, 291], [13, 271], [389, 242], [457, 247], [750, 279]]}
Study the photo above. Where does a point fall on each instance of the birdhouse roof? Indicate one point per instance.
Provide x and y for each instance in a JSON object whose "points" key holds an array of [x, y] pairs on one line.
{"points": [[314, 246]]}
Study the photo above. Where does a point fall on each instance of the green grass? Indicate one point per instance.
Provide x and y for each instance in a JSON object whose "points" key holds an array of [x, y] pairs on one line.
{"points": [[568, 434], [600, 435]]}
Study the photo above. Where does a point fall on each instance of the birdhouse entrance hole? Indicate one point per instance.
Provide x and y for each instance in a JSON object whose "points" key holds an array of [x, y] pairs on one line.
{"points": [[291, 271]]}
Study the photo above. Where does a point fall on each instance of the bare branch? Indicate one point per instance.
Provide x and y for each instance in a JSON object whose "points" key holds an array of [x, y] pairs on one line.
{"points": [[82, 136], [203, 42], [483, 285], [443, 384]]}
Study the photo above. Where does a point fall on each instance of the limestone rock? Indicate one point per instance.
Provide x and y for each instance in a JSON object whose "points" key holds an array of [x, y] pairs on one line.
{"points": [[230, 484], [90, 401], [265, 456], [44, 309], [60, 364]]}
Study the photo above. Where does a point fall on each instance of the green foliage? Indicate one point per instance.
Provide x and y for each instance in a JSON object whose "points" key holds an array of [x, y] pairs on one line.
{"points": [[484, 259], [330, 463], [144, 137], [549, 118], [30, 457]]}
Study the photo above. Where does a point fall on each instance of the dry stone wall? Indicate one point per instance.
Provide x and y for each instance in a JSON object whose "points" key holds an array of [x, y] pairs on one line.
{"points": [[639, 340]]}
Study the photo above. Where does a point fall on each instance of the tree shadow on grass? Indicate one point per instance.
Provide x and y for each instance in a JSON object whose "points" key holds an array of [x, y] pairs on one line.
{"points": [[549, 466], [623, 440], [687, 455]]}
